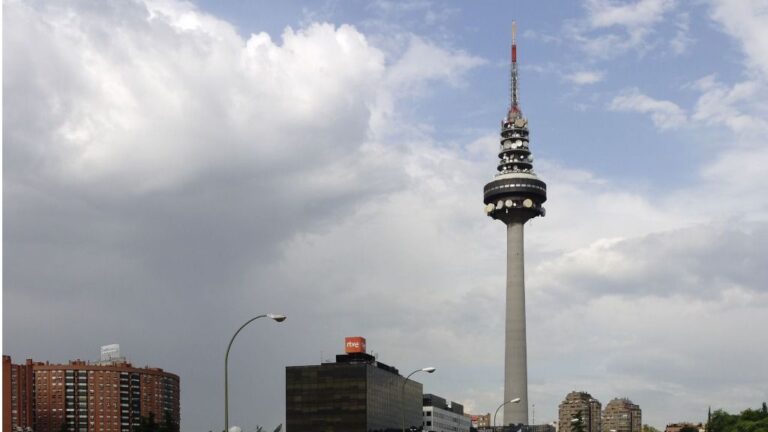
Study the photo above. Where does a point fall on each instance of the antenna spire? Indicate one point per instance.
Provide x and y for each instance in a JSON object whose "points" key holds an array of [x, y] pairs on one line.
{"points": [[514, 106]]}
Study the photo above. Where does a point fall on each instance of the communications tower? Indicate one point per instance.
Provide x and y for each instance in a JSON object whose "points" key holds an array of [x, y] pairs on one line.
{"points": [[515, 195]]}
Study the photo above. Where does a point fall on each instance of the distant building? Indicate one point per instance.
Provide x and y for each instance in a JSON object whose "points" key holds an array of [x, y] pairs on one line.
{"points": [[481, 420], [676, 427], [579, 407], [440, 416], [86, 397], [540, 428], [356, 393], [621, 415]]}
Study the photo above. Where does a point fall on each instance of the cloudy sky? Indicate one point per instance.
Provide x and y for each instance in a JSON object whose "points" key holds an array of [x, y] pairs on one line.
{"points": [[171, 169]]}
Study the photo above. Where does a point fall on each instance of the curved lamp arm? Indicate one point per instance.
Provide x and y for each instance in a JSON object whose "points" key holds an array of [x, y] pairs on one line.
{"points": [[275, 317], [515, 400], [402, 393]]}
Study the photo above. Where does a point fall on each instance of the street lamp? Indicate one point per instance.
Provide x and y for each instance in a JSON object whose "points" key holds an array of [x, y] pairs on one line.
{"points": [[402, 392], [275, 317], [515, 400]]}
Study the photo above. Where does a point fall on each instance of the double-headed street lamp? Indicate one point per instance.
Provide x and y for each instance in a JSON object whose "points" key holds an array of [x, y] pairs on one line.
{"points": [[402, 392], [515, 400], [275, 317]]}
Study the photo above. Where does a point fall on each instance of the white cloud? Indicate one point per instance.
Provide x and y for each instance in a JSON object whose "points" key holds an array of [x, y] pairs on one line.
{"points": [[585, 77], [634, 15], [682, 40], [747, 21], [424, 61], [611, 28], [739, 107], [665, 114], [176, 93]]}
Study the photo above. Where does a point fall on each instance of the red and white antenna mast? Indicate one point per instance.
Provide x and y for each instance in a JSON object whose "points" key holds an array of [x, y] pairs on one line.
{"points": [[514, 107]]}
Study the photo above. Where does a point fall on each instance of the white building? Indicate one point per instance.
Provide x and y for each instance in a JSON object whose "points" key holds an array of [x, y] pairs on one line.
{"points": [[439, 416]]}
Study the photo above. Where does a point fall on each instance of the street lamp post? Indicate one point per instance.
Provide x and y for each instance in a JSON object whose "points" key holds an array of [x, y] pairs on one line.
{"points": [[515, 400], [402, 392], [275, 317]]}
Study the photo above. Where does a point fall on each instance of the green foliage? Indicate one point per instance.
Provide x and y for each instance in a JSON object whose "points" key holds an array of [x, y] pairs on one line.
{"points": [[649, 428], [578, 423], [147, 424], [169, 425], [689, 428], [748, 420]]}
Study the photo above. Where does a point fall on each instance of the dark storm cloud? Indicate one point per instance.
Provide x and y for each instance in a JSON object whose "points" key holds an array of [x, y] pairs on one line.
{"points": [[156, 165]]}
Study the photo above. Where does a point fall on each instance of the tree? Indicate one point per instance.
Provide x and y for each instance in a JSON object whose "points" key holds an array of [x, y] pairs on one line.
{"points": [[748, 420], [649, 428], [147, 424], [689, 428], [577, 423], [169, 424]]}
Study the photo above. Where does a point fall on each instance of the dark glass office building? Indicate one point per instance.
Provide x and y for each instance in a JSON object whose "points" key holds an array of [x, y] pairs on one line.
{"points": [[355, 394]]}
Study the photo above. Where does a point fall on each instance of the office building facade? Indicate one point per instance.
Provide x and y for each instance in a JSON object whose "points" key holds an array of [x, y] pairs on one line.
{"points": [[440, 416], [356, 393]]}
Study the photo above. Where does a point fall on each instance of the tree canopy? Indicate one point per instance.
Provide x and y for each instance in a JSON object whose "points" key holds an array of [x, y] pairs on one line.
{"points": [[149, 424], [749, 420]]}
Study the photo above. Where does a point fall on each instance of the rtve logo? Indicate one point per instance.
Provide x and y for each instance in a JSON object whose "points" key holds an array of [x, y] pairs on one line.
{"points": [[354, 344]]}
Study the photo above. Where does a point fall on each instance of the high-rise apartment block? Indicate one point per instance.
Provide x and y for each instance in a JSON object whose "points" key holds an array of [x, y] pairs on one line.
{"points": [[578, 411], [105, 396], [440, 416], [621, 415], [356, 393], [17, 395]]}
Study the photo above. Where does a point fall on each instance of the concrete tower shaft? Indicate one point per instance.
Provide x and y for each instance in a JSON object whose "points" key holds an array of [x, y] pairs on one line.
{"points": [[515, 343], [514, 196]]}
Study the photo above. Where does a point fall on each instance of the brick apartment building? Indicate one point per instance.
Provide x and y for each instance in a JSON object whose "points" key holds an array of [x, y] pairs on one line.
{"points": [[579, 403], [106, 396], [621, 415], [17, 395]]}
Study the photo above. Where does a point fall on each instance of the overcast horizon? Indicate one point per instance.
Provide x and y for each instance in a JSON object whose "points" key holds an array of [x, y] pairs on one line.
{"points": [[171, 169]]}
